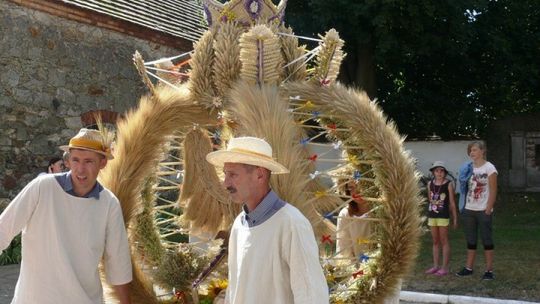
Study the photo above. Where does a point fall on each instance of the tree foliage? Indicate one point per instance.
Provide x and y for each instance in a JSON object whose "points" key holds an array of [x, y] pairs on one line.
{"points": [[436, 67]]}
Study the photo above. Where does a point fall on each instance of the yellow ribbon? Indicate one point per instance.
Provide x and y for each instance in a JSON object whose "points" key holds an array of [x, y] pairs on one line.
{"points": [[363, 241], [319, 194]]}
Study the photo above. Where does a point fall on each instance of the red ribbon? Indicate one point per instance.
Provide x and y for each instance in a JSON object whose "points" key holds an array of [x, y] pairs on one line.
{"points": [[180, 296], [313, 157], [332, 126], [326, 238], [357, 196], [357, 274], [325, 82]]}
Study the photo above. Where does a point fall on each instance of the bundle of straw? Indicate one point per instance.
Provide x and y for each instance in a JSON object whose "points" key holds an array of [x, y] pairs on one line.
{"points": [[395, 177], [140, 137], [206, 204]]}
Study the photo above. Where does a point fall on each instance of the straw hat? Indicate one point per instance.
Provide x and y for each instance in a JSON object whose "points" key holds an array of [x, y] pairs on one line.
{"points": [[247, 150], [438, 164], [91, 140]]}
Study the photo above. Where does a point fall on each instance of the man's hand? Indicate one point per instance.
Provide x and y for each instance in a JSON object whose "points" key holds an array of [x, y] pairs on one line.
{"points": [[123, 293]]}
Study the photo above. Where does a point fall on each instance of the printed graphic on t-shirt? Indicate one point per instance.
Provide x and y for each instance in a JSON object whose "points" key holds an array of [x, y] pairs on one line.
{"points": [[436, 202], [479, 194]]}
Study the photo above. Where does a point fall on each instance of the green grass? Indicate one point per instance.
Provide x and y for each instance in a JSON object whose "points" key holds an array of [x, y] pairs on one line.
{"points": [[516, 230], [12, 254]]}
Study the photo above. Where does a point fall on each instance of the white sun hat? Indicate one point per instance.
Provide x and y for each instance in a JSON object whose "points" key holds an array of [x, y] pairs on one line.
{"points": [[247, 150], [91, 140], [438, 164]]}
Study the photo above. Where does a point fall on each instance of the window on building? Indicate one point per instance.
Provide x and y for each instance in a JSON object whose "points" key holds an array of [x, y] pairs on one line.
{"points": [[510, 154], [537, 155]]}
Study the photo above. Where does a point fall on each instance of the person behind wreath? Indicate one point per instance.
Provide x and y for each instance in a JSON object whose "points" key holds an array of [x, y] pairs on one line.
{"points": [[273, 255], [69, 223], [55, 165]]}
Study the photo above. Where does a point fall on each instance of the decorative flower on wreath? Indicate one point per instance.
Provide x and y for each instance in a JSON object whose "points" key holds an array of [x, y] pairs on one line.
{"points": [[216, 286], [253, 7]]}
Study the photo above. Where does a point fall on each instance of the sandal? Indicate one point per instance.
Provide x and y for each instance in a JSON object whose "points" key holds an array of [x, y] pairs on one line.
{"points": [[432, 270], [441, 272]]}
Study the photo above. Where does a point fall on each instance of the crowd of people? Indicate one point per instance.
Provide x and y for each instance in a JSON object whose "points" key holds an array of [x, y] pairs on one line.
{"points": [[70, 222]]}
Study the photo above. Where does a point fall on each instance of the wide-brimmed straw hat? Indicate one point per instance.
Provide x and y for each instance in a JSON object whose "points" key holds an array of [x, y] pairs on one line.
{"points": [[438, 164], [91, 140], [247, 150]]}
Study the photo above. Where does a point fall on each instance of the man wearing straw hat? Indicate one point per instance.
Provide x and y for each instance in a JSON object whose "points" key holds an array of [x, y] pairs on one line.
{"points": [[69, 223], [273, 255]]}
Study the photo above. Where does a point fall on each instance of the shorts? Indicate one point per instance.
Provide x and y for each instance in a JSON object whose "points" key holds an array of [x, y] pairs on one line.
{"points": [[474, 222], [438, 222]]}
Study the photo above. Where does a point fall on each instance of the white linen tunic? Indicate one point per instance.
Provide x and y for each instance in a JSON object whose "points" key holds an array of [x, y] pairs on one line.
{"points": [[351, 233], [64, 239], [276, 262]]}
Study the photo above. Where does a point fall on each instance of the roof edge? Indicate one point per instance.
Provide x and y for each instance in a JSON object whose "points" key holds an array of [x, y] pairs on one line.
{"points": [[90, 17]]}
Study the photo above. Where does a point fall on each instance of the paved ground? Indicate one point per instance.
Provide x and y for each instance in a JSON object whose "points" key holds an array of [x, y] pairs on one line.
{"points": [[8, 279], [10, 273]]}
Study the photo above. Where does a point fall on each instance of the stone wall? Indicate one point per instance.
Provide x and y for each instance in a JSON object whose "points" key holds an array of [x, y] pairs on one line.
{"points": [[52, 71]]}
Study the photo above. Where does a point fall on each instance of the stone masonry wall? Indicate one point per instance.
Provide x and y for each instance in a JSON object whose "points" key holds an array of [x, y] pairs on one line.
{"points": [[52, 70]]}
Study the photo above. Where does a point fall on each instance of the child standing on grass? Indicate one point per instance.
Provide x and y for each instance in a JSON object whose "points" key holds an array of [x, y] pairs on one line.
{"points": [[441, 204], [479, 179]]}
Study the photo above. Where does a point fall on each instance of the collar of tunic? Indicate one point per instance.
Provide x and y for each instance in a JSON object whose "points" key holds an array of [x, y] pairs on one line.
{"points": [[268, 207], [64, 179]]}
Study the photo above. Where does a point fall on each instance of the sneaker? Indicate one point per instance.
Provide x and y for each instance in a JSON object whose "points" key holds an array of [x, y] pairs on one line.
{"points": [[464, 272], [432, 270], [441, 272], [488, 276]]}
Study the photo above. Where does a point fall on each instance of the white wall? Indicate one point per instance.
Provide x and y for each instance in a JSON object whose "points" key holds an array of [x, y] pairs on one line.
{"points": [[453, 153]]}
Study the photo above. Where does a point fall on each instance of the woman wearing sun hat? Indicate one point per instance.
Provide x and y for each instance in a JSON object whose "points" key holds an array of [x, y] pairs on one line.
{"points": [[441, 202]]}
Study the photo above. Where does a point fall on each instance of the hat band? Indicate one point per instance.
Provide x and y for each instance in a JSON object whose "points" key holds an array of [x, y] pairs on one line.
{"points": [[245, 151], [90, 144]]}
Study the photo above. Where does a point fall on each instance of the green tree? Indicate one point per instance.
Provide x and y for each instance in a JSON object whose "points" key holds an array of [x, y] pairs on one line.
{"points": [[506, 51], [434, 66]]}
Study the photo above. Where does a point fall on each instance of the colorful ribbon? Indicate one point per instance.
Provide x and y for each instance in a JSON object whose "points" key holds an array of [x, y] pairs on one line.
{"points": [[326, 238]]}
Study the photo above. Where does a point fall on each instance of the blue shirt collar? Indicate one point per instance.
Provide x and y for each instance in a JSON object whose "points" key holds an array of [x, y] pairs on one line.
{"points": [[64, 179], [266, 208]]}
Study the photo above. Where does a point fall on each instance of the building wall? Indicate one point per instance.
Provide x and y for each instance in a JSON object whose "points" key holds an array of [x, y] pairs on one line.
{"points": [[52, 71], [513, 143], [453, 153], [425, 153]]}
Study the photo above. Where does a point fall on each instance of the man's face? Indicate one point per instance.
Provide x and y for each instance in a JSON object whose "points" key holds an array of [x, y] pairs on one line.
{"points": [[351, 187], [85, 166], [240, 181]]}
